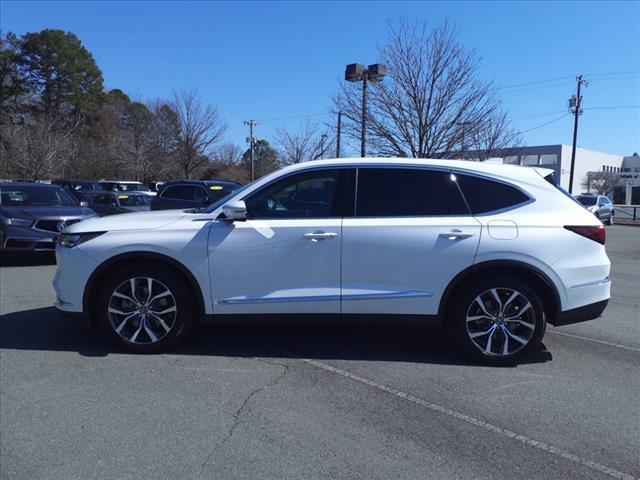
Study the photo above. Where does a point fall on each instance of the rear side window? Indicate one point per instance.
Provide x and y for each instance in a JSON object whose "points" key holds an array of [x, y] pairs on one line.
{"points": [[484, 195], [179, 192], [405, 192]]}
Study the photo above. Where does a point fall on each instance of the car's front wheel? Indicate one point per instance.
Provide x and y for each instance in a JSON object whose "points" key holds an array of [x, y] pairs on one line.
{"points": [[145, 309], [497, 320]]}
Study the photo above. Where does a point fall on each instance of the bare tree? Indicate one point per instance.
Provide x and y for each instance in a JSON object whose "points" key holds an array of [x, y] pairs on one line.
{"points": [[432, 102], [600, 183], [200, 128], [309, 142], [35, 151], [496, 138]]}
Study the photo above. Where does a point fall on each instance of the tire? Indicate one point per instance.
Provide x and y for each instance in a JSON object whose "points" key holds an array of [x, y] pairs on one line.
{"points": [[163, 316], [610, 222], [477, 323]]}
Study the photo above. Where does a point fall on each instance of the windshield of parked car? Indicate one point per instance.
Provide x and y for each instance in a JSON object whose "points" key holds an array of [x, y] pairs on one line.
{"points": [[35, 197], [135, 200], [87, 186], [587, 201], [132, 187]]}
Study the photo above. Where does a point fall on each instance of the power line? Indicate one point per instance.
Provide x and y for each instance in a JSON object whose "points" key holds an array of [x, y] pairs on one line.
{"points": [[535, 82], [613, 107], [292, 117], [545, 124]]}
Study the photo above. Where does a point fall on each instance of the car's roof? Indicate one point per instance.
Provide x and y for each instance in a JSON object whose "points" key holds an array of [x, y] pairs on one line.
{"points": [[29, 184], [75, 180], [202, 182], [491, 169]]}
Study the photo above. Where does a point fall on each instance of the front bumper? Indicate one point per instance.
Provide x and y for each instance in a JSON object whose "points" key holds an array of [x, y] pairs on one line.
{"points": [[74, 268], [21, 239]]}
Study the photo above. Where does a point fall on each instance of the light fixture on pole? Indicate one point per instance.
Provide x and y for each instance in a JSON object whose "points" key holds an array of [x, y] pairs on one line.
{"points": [[356, 72]]}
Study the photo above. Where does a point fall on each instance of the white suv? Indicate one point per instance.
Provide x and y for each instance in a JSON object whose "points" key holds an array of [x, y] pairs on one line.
{"points": [[491, 252]]}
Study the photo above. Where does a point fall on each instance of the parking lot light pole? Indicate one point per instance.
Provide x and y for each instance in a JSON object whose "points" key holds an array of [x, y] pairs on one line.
{"points": [[356, 72]]}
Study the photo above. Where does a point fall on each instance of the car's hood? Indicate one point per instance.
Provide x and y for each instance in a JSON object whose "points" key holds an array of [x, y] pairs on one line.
{"points": [[35, 213], [128, 221], [142, 208]]}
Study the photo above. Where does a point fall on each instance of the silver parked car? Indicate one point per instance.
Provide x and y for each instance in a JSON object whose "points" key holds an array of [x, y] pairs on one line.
{"points": [[599, 205]]}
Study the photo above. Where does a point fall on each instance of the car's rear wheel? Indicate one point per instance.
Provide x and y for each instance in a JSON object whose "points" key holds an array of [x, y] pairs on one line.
{"points": [[498, 320], [145, 309], [610, 221]]}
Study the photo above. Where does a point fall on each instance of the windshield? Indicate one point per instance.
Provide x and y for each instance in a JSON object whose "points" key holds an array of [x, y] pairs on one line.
{"points": [[132, 187], [587, 201], [87, 187], [222, 201], [134, 200], [35, 197]]}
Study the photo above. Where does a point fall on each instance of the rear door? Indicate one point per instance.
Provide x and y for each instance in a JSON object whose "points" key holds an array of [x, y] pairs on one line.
{"points": [[411, 234]]}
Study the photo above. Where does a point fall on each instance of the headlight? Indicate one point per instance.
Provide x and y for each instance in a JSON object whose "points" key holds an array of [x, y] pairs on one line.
{"points": [[70, 240], [19, 222]]}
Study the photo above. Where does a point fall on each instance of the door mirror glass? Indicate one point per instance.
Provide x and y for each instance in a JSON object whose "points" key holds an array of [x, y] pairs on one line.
{"points": [[235, 210]]}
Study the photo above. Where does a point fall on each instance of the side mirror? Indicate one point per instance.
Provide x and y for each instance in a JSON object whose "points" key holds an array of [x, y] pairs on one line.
{"points": [[235, 210], [84, 204]]}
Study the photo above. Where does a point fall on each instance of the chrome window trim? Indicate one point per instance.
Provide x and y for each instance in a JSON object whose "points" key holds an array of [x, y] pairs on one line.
{"points": [[436, 168]]}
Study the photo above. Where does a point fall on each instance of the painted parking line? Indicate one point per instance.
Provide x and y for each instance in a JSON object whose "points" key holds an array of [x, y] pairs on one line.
{"points": [[531, 442], [589, 339]]}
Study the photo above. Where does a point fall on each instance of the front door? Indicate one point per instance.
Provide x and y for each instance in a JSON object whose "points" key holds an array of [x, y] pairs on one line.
{"points": [[285, 258], [411, 234]]}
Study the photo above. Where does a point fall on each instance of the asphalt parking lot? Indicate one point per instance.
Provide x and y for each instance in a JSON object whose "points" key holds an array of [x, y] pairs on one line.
{"points": [[301, 402]]}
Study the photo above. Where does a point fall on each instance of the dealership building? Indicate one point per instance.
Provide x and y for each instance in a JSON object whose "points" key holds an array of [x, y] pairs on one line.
{"points": [[558, 159]]}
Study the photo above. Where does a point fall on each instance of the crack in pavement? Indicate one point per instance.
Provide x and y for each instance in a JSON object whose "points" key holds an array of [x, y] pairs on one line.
{"points": [[240, 410]]}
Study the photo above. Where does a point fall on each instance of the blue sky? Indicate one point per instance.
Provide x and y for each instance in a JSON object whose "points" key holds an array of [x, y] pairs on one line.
{"points": [[266, 60]]}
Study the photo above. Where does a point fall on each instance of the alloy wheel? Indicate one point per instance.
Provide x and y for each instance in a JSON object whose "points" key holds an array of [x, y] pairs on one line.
{"points": [[501, 321], [142, 310]]}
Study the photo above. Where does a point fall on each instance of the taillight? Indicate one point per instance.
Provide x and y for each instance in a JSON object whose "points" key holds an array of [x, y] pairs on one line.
{"points": [[595, 232]]}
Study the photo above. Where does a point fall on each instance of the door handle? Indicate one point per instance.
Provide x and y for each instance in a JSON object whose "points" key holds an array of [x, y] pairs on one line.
{"points": [[455, 235], [319, 235]]}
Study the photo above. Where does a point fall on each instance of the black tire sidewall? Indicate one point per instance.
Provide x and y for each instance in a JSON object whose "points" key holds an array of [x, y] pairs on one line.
{"points": [[182, 294], [456, 321]]}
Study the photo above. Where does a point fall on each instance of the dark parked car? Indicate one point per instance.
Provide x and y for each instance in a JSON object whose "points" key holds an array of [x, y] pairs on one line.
{"points": [[122, 186], [191, 194], [32, 215], [111, 203], [599, 205], [81, 190]]}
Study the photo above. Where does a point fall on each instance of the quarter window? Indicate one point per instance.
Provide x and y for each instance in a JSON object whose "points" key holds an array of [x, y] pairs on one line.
{"points": [[404, 192], [484, 195], [306, 195]]}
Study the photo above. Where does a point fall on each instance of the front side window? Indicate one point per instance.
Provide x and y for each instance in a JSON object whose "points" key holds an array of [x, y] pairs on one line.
{"points": [[405, 192], [484, 195], [305, 195], [179, 192]]}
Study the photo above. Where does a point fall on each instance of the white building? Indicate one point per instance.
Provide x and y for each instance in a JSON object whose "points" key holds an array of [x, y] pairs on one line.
{"points": [[558, 158]]}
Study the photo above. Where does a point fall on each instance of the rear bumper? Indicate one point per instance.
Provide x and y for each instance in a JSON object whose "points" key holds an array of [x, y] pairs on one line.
{"points": [[581, 314]]}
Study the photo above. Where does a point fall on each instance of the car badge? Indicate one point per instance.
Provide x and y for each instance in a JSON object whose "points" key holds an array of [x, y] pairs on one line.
{"points": [[61, 225]]}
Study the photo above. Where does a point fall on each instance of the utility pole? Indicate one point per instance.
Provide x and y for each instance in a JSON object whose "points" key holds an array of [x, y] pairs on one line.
{"points": [[338, 135], [575, 105], [251, 141]]}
